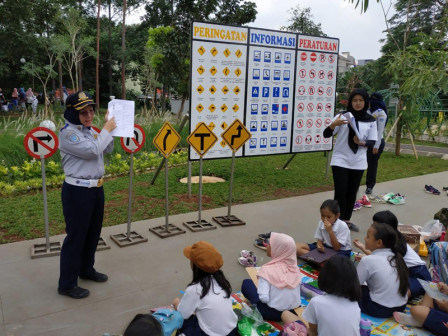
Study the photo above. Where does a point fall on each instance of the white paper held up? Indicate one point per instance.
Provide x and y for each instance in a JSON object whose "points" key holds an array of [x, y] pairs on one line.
{"points": [[124, 112]]}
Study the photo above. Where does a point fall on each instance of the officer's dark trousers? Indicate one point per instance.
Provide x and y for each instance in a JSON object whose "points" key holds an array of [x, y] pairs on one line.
{"points": [[372, 161], [83, 211], [346, 183]]}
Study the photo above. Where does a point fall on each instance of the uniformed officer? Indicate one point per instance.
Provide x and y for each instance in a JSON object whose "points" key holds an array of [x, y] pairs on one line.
{"points": [[82, 150]]}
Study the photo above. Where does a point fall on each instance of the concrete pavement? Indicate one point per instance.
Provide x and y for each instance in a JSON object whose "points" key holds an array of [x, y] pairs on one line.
{"points": [[151, 274]]}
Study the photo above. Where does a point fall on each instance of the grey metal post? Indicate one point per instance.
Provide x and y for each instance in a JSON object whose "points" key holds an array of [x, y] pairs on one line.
{"points": [[44, 192], [289, 161], [131, 173], [189, 180], [231, 183], [166, 194], [327, 168], [200, 190]]}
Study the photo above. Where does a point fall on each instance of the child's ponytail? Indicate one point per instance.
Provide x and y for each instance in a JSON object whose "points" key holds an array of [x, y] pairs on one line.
{"points": [[389, 238]]}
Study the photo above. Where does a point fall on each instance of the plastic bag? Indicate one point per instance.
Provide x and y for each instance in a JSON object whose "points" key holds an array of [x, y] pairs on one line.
{"points": [[252, 313], [432, 230]]}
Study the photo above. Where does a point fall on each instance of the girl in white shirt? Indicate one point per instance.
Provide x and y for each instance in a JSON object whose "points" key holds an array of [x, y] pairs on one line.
{"points": [[385, 273], [416, 266], [278, 280], [206, 305], [331, 232]]}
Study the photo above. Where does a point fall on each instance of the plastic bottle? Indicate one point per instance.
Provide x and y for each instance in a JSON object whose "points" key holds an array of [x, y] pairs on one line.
{"points": [[365, 327]]}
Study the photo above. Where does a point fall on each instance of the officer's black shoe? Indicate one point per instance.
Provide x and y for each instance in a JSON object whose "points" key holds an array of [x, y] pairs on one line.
{"points": [[97, 277], [75, 292]]}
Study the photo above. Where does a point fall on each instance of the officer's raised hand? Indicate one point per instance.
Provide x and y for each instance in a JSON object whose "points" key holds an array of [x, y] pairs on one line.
{"points": [[110, 124]]}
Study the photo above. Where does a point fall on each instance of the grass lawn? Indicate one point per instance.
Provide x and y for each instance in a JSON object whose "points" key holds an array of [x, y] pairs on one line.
{"points": [[256, 179]]}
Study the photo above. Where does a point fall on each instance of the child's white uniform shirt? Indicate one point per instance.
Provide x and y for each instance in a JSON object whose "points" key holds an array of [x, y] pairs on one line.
{"points": [[341, 231], [381, 278], [214, 311], [411, 258], [280, 299], [343, 156], [335, 316]]}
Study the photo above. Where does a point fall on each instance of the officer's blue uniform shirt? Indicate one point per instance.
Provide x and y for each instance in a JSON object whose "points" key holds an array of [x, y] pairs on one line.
{"points": [[82, 151]]}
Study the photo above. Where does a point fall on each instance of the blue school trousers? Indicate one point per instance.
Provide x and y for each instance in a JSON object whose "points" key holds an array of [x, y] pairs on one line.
{"points": [[250, 292], [418, 272], [434, 321], [370, 307], [191, 328]]}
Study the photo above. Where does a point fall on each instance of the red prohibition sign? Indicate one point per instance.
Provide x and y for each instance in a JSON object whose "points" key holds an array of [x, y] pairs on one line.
{"points": [[329, 91], [41, 142], [317, 138], [311, 90], [331, 58], [300, 123], [134, 144], [310, 107], [327, 122], [328, 107], [322, 57], [327, 140], [301, 107], [301, 90], [319, 107], [330, 75], [312, 73], [302, 73], [321, 74], [309, 123], [308, 139], [299, 139], [313, 57], [320, 91], [318, 123], [303, 56]]}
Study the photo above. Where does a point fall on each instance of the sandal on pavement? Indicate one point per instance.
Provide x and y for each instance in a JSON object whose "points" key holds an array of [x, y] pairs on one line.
{"points": [[248, 254], [265, 235], [247, 262], [261, 243]]}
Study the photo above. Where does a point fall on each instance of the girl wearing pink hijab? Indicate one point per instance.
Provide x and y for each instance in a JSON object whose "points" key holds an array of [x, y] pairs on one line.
{"points": [[278, 280]]}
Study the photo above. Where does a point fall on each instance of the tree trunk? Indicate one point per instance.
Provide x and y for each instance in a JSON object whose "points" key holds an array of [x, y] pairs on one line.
{"points": [[398, 130], [97, 81], [80, 75], [179, 114], [123, 50], [109, 60], [163, 100], [61, 101]]}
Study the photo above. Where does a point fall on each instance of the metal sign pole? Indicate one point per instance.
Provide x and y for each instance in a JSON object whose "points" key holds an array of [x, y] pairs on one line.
{"points": [[231, 183], [44, 192], [200, 190], [131, 173], [189, 180], [166, 194]]}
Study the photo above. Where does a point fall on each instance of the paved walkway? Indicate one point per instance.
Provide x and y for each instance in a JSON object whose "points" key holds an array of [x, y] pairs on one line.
{"points": [[151, 274], [441, 152]]}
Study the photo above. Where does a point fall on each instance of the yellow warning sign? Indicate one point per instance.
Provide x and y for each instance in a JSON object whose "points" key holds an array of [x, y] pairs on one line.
{"points": [[238, 53], [236, 135], [225, 89], [201, 50], [212, 89], [224, 125], [227, 52], [236, 90], [212, 108], [166, 140], [226, 71], [199, 108], [237, 72], [211, 126], [213, 70], [202, 139], [214, 51], [223, 107], [223, 143], [235, 108], [200, 89], [201, 70]]}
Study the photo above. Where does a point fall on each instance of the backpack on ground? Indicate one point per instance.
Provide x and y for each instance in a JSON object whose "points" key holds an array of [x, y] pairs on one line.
{"points": [[439, 261]]}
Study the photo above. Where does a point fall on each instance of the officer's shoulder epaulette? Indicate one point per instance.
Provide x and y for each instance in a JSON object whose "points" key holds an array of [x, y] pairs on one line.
{"points": [[63, 128]]}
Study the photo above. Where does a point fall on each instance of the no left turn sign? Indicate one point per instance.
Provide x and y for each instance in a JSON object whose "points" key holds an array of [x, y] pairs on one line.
{"points": [[41, 142]]}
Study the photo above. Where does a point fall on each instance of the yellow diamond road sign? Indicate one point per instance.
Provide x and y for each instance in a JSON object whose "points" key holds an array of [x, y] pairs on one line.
{"points": [[237, 72], [235, 108], [224, 125], [227, 52], [236, 90], [236, 135], [212, 89], [201, 50], [225, 89], [238, 53], [200, 89], [226, 71], [214, 51], [201, 70], [212, 108], [166, 140], [223, 107], [202, 139], [199, 108], [213, 70]]}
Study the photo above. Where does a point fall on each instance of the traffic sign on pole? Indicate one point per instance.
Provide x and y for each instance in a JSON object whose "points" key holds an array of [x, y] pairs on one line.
{"points": [[166, 139], [134, 144], [202, 139], [236, 135], [41, 142]]}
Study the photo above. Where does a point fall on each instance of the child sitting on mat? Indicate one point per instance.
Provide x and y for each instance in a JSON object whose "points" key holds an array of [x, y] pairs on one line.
{"points": [[278, 280], [385, 273], [337, 313], [330, 232], [416, 266], [206, 305]]}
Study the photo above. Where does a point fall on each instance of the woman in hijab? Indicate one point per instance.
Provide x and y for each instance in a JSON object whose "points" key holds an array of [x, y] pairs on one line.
{"points": [[379, 112], [278, 280], [356, 130]]}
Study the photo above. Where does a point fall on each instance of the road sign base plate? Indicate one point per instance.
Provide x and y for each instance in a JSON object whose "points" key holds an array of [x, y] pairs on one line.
{"points": [[228, 220], [202, 226], [161, 231], [102, 245], [122, 239], [40, 250]]}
